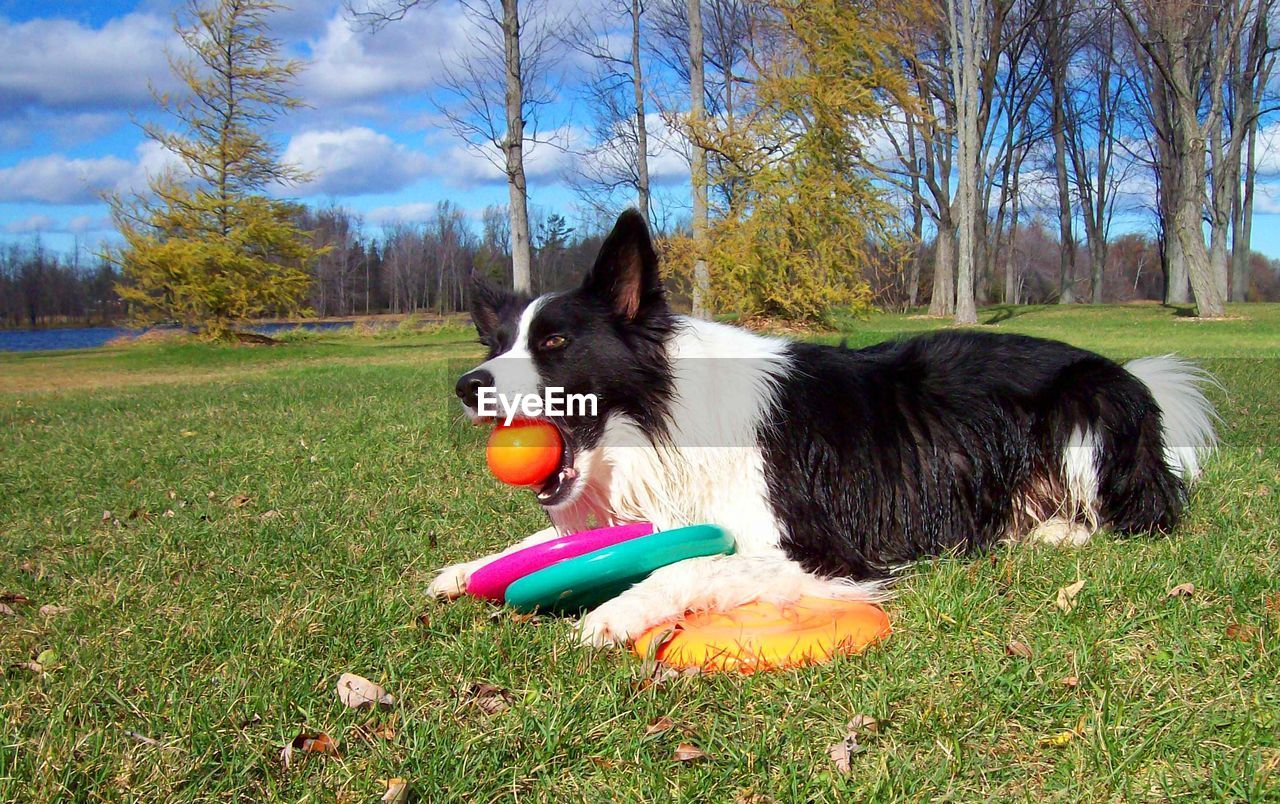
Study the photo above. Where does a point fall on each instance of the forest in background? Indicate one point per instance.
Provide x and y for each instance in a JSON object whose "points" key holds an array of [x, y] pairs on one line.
{"points": [[1009, 151]]}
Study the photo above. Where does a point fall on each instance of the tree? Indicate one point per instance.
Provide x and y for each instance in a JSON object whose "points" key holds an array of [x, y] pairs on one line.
{"points": [[207, 249], [698, 164], [968, 37], [615, 93], [806, 217], [500, 90]]}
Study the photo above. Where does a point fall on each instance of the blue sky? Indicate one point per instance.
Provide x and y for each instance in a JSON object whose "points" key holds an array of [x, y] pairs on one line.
{"points": [[74, 79]]}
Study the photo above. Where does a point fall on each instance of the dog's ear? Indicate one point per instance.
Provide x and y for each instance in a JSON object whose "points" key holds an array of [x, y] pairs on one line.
{"points": [[626, 271], [486, 300]]}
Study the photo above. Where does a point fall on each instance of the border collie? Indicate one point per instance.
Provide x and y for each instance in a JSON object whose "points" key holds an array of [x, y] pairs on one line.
{"points": [[830, 466]]}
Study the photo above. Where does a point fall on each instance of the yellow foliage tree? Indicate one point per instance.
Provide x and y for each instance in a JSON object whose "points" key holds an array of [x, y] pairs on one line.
{"points": [[207, 248], [806, 213]]}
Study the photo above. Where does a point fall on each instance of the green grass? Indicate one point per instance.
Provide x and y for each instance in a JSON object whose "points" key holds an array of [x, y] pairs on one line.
{"points": [[218, 632]]}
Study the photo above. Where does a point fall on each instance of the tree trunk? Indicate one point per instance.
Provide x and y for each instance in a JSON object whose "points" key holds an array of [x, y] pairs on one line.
{"points": [[642, 134], [964, 54], [698, 168], [1188, 225], [917, 221], [521, 257], [943, 300], [1067, 255], [1241, 244]]}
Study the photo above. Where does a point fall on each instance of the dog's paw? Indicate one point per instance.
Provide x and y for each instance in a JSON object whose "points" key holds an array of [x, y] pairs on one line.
{"points": [[451, 582], [616, 622]]}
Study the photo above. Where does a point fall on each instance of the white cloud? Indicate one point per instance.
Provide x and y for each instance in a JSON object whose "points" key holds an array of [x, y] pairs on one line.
{"points": [[57, 179], [350, 64], [415, 212], [45, 224], [354, 160], [61, 63]]}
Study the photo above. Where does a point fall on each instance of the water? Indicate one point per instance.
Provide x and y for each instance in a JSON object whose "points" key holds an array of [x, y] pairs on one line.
{"points": [[31, 340]]}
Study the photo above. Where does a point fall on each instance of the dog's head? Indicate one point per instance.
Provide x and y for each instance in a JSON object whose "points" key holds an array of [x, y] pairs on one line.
{"points": [[603, 341]]}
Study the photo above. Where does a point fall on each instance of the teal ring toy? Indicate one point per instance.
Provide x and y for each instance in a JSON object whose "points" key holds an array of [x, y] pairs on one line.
{"points": [[589, 580]]}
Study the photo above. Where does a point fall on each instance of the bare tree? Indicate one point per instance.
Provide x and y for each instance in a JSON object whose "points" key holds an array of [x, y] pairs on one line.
{"points": [[499, 91], [967, 34], [698, 165], [616, 95], [1188, 48]]}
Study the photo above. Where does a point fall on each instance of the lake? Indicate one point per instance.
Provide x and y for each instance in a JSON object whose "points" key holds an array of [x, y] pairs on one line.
{"points": [[31, 340]]}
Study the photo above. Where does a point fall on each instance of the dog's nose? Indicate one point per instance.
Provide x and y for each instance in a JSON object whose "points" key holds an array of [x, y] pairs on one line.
{"points": [[469, 385]]}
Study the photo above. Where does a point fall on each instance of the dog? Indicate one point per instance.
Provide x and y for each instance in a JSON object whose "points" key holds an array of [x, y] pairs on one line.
{"points": [[831, 467]]}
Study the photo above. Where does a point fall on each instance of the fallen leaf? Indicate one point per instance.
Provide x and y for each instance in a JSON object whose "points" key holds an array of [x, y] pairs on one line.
{"points": [[50, 610], [187, 433], [1067, 596], [397, 791], [272, 514], [34, 667], [688, 752], [1244, 633], [751, 797], [309, 743], [842, 751], [1182, 590], [14, 597], [385, 731], [1071, 681], [106, 516], [358, 692], [1019, 649], [864, 724], [168, 514], [241, 500], [47, 657], [489, 699], [6, 611], [1059, 740], [659, 725]]}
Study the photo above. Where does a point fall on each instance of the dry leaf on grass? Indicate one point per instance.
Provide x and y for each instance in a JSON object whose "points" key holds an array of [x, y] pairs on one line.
{"points": [[1059, 740], [50, 610], [1070, 682], [659, 725], [842, 751], [241, 500], [486, 697], [6, 611], [1182, 590], [1244, 633], [1067, 596], [309, 743], [397, 791], [359, 692], [1019, 649], [688, 752], [13, 597], [864, 724]]}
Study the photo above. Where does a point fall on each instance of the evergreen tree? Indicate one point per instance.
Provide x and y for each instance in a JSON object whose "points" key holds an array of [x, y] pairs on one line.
{"points": [[207, 248]]}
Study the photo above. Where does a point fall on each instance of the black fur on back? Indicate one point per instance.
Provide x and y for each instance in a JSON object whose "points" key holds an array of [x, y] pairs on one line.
{"points": [[951, 442]]}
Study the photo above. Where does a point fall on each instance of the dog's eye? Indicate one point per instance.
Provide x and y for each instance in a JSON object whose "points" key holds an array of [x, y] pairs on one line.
{"points": [[553, 342]]}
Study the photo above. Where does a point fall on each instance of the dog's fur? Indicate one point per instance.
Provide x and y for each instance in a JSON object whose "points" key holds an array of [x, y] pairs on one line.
{"points": [[829, 466]]}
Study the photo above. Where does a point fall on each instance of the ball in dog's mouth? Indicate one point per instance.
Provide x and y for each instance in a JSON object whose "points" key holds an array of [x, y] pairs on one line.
{"points": [[561, 482]]}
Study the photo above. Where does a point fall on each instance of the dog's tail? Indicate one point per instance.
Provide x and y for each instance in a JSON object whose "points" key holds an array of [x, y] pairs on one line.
{"points": [[1187, 417]]}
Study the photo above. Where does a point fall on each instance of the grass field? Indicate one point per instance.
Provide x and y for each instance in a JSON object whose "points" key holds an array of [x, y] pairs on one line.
{"points": [[229, 529]]}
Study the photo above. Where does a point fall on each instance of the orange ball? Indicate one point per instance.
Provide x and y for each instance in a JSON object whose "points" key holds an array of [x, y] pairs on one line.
{"points": [[525, 452]]}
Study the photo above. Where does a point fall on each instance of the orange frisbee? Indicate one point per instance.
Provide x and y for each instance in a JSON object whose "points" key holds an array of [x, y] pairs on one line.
{"points": [[765, 636]]}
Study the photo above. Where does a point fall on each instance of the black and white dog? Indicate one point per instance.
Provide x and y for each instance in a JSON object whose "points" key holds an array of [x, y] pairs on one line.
{"points": [[829, 466]]}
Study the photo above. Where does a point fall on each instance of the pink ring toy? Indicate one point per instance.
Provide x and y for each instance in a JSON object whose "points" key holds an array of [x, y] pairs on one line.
{"points": [[491, 580]]}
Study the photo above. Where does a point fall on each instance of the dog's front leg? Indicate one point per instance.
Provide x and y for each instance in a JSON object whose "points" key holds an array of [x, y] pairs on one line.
{"points": [[452, 580], [716, 583]]}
